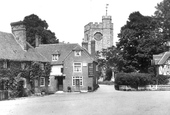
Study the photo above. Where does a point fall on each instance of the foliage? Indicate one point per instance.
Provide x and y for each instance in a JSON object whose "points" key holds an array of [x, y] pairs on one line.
{"points": [[106, 61], [162, 14], [12, 78], [138, 42], [37, 27], [162, 79], [133, 79]]}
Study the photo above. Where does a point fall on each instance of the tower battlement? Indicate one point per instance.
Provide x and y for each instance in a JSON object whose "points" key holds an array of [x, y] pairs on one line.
{"points": [[106, 17]]}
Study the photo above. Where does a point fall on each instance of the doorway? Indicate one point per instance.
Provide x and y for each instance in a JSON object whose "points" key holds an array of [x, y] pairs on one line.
{"points": [[60, 83], [77, 85]]}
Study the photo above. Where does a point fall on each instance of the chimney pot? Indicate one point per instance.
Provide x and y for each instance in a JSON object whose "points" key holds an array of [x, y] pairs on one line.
{"points": [[19, 31]]}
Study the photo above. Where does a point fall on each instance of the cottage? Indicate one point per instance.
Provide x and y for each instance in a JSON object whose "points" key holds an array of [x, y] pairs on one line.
{"points": [[162, 64], [15, 52], [73, 68]]}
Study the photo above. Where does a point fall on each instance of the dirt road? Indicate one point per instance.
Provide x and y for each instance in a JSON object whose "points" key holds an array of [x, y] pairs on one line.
{"points": [[104, 101]]}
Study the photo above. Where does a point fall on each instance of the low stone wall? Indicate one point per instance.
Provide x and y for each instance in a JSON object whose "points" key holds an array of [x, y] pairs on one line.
{"points": [[145, 88], [3, 94], [163, 87]]}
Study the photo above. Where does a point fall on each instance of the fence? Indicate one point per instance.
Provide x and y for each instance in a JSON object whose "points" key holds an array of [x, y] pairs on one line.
{"points": [[3, 94]]}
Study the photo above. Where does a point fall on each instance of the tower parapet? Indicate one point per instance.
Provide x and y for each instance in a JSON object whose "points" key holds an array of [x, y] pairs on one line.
{"points": [[98, 35]]}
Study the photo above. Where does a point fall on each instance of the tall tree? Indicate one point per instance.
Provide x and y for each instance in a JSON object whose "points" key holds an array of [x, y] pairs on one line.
{"points": [[162, 13], [138, 42], [37, 27]]}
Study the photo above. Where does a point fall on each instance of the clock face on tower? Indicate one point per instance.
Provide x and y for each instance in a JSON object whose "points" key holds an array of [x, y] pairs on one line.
{"points": [[98, 36]]}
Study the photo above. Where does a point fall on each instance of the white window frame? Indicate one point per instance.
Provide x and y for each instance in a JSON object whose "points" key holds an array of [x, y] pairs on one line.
{"points": [[42, 66], [43, 81], [80, 67], [55, 57], [23, 65], [77, 53], [5, 64], [77, 77], [97, 68]]}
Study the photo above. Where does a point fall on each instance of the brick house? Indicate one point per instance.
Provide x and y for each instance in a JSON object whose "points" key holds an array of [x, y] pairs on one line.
{"points": [[15, 52], [73, 68]]}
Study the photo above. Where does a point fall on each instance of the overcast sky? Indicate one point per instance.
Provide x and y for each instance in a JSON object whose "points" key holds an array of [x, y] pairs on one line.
{"points": [[67, 18]]}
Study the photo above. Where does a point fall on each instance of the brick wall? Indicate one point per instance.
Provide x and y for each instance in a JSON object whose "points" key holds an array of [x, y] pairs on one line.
{"points": [[68, 70]]}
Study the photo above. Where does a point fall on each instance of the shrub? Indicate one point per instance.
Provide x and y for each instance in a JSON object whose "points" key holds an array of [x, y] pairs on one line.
{"points": [[162, 79], [133, 79]]}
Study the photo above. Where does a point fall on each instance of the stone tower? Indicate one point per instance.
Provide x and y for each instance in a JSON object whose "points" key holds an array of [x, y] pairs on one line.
{"points": [[98, 34]]}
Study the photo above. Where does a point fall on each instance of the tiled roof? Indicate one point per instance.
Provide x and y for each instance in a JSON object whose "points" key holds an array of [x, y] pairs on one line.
{"points": [[65, 49], [11, 50]]}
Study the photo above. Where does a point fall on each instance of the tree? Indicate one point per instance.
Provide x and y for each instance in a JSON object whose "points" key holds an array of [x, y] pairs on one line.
{"points": [[106, 62], [138, 42], [162, 14], [37, 27]]}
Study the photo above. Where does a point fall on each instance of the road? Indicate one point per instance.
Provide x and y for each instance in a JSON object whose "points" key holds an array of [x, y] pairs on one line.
{"points": [[104, 101]]}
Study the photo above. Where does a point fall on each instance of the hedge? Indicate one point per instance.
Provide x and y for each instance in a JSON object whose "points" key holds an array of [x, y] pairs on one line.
{"points": [[162, 79], [133, 79]]}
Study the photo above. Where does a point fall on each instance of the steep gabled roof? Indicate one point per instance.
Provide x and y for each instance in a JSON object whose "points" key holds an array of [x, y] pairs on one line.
{"points": [[161, 58], [48, 50], [11, 50]]}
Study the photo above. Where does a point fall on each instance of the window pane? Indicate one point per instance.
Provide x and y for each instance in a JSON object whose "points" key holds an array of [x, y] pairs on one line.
{"points": [[42, 81], [77, 64], [77, 67]]}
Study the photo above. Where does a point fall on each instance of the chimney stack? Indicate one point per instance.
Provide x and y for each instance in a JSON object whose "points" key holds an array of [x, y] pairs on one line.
{"points": [[37, 40], [19, 32], [93, 50], [85, 45]]}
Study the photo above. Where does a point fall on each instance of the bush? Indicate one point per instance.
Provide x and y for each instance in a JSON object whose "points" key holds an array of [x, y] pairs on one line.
{"points": [[133, 79], [162, 79]]}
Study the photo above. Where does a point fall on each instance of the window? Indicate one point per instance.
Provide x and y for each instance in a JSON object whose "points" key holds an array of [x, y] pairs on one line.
{"points": [[77, 81], [6, 64], [77, 67], [23, 65], [42, 81], [97, 69], [62, 70], [55, 57], [77, 53], [42, 66]]}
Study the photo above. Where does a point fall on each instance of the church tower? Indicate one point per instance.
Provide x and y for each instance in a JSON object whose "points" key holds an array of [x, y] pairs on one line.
{"points": [[99, 35]]}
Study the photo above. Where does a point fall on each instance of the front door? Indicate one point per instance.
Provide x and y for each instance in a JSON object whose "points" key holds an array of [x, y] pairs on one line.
{"points": [[60, 84], [77, 84]]}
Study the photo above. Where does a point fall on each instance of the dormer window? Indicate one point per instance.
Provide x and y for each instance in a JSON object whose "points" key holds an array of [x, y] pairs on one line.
{"points": [[77, 53], [55, 57]]}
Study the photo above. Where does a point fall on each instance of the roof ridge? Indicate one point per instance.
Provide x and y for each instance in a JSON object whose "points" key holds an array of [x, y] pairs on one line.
{"points": [[58, 44], [5, 32]]}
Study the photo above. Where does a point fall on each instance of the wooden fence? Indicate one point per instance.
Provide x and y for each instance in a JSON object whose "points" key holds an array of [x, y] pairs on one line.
{"points": [[3, 94]]}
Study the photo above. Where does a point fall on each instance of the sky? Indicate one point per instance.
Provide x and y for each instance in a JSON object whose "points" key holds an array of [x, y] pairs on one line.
{"points": [[67, 18]]}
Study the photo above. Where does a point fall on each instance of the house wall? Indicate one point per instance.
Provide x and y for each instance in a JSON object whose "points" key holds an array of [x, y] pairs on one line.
{"points": [[164, 70], [55, 71], [68, 71], [1, 64]]}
